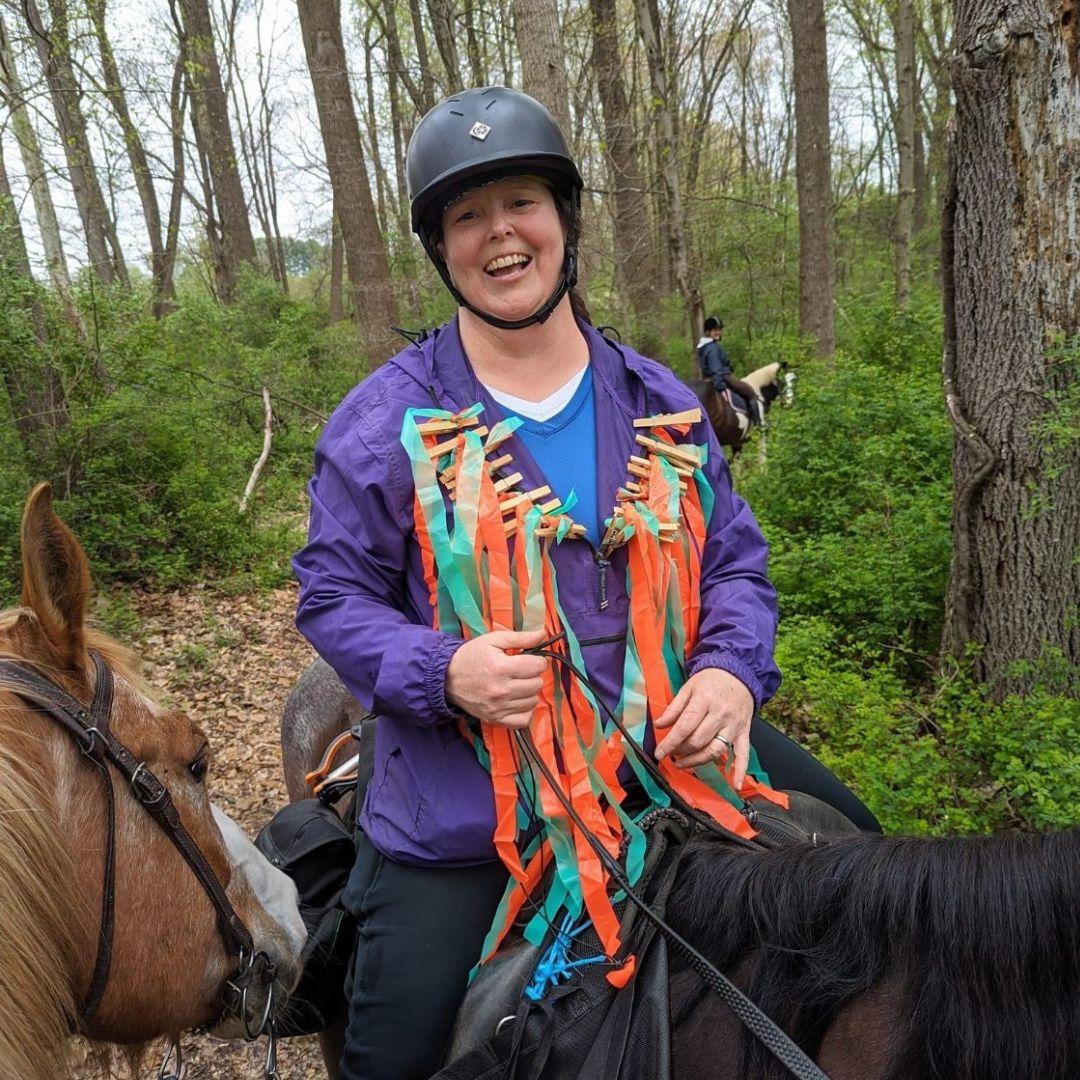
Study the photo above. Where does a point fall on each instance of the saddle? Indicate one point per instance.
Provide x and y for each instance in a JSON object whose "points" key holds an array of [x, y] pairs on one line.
{"points": [[581, 1028]]}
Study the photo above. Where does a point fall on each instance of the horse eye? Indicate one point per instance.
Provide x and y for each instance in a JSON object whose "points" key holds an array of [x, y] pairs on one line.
{"points": [[199, 768]]}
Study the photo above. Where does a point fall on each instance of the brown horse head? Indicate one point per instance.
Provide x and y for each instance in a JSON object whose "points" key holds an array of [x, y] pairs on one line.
{"points": [[169, 960]]}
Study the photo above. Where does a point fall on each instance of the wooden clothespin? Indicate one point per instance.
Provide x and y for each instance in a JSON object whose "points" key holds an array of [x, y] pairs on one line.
{"points": [[446, 447], [507, 482], [507, 506], [677, 455], [441, 427], [689, 416]]}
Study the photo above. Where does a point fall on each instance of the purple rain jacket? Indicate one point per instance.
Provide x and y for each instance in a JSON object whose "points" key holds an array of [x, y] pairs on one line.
{"points": [[364, 603]]}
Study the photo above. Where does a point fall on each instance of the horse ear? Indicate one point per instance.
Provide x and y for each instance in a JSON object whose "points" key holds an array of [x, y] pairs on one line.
{"points": [[56, 578]]}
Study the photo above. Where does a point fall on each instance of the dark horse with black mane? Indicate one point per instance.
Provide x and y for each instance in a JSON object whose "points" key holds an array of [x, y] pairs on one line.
{"points": [[885, 958]]}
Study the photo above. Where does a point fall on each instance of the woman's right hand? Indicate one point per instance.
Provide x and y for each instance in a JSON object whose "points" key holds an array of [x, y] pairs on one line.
{"points": [[484, 681]]}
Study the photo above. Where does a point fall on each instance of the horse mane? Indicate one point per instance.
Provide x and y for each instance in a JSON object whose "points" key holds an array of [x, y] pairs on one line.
{"points": [[37, 912], [763, 376], [981, 936]]}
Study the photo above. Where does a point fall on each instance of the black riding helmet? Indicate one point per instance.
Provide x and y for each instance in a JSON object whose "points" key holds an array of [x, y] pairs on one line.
{"points": [[479, 136]]}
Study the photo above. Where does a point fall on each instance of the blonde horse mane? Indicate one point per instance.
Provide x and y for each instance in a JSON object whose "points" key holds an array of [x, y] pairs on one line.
{"points": [[36, 911], [761, 378], [39, 911]]}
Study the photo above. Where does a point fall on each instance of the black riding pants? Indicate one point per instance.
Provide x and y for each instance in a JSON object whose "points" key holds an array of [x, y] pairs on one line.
{"points": [[421, 930]]}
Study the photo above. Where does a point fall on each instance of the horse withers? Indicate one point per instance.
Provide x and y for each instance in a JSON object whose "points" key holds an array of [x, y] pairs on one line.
{"points": [[168, 958]]}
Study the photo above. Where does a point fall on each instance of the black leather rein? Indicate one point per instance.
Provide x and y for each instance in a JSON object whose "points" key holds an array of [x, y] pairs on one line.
{"points": [[89, 728]]}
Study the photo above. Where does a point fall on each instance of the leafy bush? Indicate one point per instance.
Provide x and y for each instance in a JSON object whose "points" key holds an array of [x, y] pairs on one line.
{"points": [[942, 758], [854, 497], [157, 458]]}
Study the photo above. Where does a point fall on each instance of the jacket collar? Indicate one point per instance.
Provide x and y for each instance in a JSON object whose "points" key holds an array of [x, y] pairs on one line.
{"points": [[440, 365]]}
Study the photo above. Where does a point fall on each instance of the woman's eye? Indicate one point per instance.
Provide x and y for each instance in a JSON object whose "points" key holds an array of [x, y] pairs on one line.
{"points": [[466, 216], [198, 769]]}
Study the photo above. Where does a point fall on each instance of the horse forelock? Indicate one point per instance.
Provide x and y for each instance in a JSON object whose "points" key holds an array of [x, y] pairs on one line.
{"points": [[981, 937]]}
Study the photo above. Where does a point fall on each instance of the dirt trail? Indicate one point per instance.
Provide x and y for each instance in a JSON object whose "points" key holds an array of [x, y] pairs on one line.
{"points": [[229, 662]]}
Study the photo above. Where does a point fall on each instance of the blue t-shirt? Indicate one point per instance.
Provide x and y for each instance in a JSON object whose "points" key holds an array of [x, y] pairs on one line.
{"points": [[564, 447]]}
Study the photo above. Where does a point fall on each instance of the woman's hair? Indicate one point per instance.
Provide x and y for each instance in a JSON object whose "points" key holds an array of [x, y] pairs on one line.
{"points": [[577, 306]]}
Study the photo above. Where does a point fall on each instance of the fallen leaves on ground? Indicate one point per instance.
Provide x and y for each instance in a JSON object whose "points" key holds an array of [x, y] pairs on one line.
{"points": [[229, 662]]}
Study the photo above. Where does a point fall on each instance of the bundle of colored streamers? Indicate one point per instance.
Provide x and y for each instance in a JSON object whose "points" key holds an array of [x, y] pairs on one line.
{"points": [[487, 565]]}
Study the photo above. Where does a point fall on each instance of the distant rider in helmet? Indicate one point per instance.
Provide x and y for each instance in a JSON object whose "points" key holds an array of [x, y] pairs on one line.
{"points": [[716, 365]]}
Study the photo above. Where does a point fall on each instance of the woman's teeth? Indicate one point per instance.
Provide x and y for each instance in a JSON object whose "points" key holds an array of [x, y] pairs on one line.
{"points": [[506, 263]]}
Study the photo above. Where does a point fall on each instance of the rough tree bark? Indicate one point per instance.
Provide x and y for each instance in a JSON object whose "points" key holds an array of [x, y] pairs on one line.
{"points": [[14, 97], [543, 57], [686, 278], [1011, 234], [904, 34], [53, 47], [365, 251], [210, 121], [634, 275], [812, 173], [337, 272]]}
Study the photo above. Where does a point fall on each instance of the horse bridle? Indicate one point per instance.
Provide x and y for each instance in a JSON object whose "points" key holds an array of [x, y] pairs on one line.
{"points": [[89, 727]]}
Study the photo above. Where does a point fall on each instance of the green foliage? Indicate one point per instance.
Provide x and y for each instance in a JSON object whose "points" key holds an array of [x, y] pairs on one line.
{"points": [[156, 461], [933, 759], [854, 497]]}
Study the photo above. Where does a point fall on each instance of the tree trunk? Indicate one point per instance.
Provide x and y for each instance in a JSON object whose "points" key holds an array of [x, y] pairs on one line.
{"points": [[543, 57], [140, 166], [34, 391], [1011, 233], [904, 34], [177, 108], [442, 25], [812, 173], [427, 78], [210, 119], [53, 48], [337, 272], [13, 95], [634, 276], [472, 46], [365, 251], [667, 149]]}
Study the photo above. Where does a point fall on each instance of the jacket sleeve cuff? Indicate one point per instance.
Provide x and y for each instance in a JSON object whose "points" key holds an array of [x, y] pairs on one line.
{"points": [[438, 661], [728, 662]]}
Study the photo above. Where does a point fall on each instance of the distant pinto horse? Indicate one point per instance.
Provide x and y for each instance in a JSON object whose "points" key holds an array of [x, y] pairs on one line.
{"points": [[885, 958], [100, 783], [732, 426]]}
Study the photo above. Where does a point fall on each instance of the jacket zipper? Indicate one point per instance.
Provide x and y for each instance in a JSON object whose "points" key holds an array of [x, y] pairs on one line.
{"points": [[602, 564]]}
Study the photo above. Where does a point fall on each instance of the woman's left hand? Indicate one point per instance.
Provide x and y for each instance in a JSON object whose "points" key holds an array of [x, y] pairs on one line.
{"points": [[709, 720]]}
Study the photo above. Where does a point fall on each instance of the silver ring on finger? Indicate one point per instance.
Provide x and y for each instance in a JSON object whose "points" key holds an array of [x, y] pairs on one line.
{"points": [[729, 746]]}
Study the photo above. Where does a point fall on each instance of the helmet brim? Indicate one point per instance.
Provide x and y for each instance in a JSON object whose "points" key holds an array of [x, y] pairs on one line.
{"points": [[429, 204]]}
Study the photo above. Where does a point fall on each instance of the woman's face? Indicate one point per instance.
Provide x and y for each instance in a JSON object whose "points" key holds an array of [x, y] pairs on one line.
{"points": [[504, 246]]}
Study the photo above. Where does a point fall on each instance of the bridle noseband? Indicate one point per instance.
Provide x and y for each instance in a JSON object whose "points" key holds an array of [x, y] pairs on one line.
{"points": [[89, 728]]}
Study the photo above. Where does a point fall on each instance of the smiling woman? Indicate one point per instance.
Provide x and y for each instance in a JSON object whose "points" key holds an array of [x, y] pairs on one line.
{"points": [[512, 495]]}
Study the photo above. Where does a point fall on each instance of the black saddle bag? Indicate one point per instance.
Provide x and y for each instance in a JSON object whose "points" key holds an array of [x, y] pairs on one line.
{"points": [[309, 841]]}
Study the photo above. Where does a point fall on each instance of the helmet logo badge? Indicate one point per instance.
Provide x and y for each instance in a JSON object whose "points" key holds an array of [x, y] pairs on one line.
{"points": [[479, 131]]}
